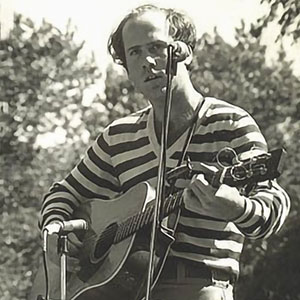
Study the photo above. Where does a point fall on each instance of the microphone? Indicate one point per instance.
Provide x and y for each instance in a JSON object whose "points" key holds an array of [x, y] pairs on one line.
{"points": [[180, 51], [66, 226]]}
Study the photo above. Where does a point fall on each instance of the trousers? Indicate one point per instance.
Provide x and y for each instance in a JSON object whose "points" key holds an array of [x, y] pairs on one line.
{"points": [[179, 281], [191, 290]]}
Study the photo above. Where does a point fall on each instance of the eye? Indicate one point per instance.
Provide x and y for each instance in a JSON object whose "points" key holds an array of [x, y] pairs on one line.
{"points": [[156, 47], [133, 52]]}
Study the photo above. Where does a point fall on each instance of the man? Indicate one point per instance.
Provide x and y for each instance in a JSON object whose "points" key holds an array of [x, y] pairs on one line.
{"points": [[203, 262]]}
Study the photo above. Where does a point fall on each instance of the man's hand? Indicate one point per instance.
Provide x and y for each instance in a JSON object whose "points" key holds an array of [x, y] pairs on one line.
{"points": [[74, 247], [224, 202]]}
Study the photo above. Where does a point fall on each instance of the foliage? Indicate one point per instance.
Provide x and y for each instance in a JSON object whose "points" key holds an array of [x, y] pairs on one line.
{"points": [[121, 95], [42, 79], [286, 13], [277, 274]]}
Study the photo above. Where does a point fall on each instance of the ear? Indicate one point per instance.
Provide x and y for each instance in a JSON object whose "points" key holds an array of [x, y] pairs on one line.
{"points": [[189, 59]]}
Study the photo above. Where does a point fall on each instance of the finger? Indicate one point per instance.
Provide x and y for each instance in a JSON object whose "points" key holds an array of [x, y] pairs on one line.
{"points": [[73, 264], [197, 189], [72, 238], [204, 168], [211, 172], [202, 189], [199, 181], [181, 183], [75, 244], [191, 201]]}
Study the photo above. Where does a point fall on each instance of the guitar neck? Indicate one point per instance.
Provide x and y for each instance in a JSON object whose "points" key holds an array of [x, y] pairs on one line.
{"points": [[134, 223]]}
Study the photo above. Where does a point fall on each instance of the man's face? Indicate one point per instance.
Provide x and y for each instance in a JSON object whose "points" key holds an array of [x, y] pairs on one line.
{"points": [[146, 38]]}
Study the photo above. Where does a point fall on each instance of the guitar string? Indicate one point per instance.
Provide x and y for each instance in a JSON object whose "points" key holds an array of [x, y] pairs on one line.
{"points": [[141, 219], [123, 233]]}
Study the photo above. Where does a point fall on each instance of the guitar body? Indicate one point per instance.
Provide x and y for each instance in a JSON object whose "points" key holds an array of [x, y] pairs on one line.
{"points": [[108, 269]]}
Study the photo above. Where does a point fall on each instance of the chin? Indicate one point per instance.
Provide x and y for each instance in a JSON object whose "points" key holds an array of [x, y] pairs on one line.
{"points": [[159, 90], [159, 94]]}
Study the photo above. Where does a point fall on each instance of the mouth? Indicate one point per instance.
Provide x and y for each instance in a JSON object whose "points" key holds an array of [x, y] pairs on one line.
{"points": [[151, 77]]}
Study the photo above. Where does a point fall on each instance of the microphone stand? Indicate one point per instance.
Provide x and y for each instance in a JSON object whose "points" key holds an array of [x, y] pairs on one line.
{"points": [[62, 229], [63, 250], [171, 70]]}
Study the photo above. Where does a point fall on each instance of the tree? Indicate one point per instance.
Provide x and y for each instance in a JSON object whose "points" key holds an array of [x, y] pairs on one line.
{"points": [[43, 80], [286, 13]]}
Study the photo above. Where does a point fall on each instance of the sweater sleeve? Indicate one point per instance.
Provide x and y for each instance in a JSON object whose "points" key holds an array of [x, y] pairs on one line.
{"points": [[267, 205], [93, 177], [266, 209]]}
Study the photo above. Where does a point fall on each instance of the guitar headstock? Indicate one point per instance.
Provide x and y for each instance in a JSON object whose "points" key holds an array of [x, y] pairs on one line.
{"points": [[265, 166], [256, 168], [245, 171]]}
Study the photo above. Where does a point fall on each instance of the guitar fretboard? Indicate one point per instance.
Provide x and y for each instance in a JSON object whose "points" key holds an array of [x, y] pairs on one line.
{"points": [[144, 218]]}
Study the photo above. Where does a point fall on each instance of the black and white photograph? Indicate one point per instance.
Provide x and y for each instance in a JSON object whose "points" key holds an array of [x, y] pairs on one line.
{"points": [[149, 150]]}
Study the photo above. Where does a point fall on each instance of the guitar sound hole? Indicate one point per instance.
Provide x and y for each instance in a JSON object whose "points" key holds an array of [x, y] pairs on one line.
{"points": [[105, 241]]}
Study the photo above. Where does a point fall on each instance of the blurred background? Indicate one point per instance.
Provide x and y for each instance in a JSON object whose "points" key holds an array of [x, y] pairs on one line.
{"points": [[59, 89]]}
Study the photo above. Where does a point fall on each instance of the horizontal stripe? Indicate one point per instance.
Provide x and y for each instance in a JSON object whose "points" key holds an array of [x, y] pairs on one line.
{"points": [[254, 138], [190, 248], [62, 192], [198, 156], [54, 215], [185, 247], [145, 176], [224, 124], [210, 243], [133, 118], [103, 145], [223, 135], [207, 233], [80, 189], [139, 171], [250, 145], [51, 219], [99, 163], [190, 214], [127, 128], [212, 224], [100, 172], [134, 153], [58, 187], [128, 146], [217, 117], [63, 201], [135, 162], [228, 264], [98, 181]]}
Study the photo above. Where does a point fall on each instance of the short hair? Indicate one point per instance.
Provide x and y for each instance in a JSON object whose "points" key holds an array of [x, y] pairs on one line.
{"points": [[181, 29]]}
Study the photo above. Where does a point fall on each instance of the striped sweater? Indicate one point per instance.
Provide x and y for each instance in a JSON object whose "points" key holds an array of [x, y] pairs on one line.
{"points": [[127, 153]]}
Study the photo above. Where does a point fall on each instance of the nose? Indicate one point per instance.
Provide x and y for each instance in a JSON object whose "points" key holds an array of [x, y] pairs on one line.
{"points": [[149, 62]]}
